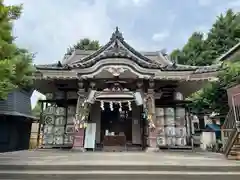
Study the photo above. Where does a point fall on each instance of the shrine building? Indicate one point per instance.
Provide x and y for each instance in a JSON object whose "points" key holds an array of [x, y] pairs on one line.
{"points": [[118, 98]]}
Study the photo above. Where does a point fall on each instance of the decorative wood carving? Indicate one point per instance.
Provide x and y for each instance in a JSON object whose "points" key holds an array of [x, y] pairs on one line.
{"points": [[80, 84], [116, 48], [139, 84], [116, 70], [92, 85], [151, 83]]}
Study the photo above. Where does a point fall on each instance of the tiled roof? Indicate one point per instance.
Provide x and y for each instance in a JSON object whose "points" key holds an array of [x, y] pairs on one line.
{"points": [[230, 52], [118, 48], [54, 66]]}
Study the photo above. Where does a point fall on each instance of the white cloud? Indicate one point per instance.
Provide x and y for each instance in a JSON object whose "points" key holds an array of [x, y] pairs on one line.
{"points": [[235, 5], [133, 2], [49, 27], [140, 2], [203, 29], [204, 2], [160, 36], [222, 8]]}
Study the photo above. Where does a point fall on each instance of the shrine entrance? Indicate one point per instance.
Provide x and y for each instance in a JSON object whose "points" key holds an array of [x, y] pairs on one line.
{"points": [[116, 126], [122, 125]]}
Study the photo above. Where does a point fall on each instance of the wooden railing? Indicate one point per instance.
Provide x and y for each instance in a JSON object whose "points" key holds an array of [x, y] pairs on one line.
{"points": [[229, 128]]}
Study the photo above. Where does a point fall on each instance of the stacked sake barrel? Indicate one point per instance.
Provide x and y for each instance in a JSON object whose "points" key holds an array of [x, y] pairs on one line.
{"points": [[171, 126], [181, 124], [69, 131], [58, 126]]}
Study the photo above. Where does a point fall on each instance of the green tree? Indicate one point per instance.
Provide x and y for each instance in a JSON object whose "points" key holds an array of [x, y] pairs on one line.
{"points": [[223, 35], [84, 44], [15, 63], [37, 109], [191, 52], [213, 97], [6, 74]]}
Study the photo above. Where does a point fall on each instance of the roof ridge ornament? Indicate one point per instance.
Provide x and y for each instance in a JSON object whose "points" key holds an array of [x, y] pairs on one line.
{"points": [[117, 35]]}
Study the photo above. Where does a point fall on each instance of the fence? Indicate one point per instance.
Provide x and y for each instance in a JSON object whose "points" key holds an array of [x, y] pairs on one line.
{"points": [[231, 123], [34, 136]]}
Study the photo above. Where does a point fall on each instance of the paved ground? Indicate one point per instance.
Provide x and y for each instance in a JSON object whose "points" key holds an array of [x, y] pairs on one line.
{"points": [[62, 165], [60, 157]]}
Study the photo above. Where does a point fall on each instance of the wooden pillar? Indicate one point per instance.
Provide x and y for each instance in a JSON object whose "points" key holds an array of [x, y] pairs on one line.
{"points": [[143, 122], [78, 142], [137, 124], [40, 122], [150, 103]]}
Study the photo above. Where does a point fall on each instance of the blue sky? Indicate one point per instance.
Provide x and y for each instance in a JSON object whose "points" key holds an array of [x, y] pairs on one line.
{"points": [[48, 27]]}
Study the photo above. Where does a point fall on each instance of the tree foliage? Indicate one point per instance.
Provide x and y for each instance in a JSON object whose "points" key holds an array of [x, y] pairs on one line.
{"points": [[15, 63], [223, 35], [6, 69], [84, 44], [37, 109], [213, 97]]}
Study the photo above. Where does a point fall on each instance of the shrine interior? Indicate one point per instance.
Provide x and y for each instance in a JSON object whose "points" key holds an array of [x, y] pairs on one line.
{"points": [[117, 122]]}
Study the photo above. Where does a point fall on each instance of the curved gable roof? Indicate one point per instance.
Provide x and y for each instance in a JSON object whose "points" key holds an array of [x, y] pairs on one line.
{"points": [[117, 47]]}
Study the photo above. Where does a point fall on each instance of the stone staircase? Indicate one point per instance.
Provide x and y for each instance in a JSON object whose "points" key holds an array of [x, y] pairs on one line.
{"points": [[234, 152], [142, 172], [231, 134], [39, 165]]}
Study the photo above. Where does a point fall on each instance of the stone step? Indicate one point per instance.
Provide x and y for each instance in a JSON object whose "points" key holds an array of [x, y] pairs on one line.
{"points": [[118, 175], [234, 153], [122, 167], [235, 148], [234, 157], [236, 145]]}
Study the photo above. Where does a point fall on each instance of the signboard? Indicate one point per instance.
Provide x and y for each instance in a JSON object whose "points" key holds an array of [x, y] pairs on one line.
{"points": [[90, 136]]}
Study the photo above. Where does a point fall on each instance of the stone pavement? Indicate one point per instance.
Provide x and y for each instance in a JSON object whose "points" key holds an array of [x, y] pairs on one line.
{"points": [[62, 164], [63, 157]]}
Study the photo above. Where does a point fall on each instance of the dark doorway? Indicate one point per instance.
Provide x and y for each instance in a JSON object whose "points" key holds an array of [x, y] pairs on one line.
{"points": [[117, 122]]}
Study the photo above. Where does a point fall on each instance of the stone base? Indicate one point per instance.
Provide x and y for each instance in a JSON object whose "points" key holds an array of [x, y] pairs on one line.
{"points": [[78, 149], [152, 149], [114, 148]]}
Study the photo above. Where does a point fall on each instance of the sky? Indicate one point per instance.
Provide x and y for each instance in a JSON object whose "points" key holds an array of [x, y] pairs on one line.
{"points": [[49, 27]]}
